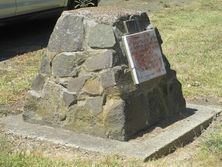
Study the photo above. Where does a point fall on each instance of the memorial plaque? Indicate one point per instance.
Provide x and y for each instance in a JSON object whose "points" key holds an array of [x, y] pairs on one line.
{"points": [[144, 56]]}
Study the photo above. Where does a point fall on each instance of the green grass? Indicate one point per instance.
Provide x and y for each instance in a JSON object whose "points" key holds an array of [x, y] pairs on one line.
{"points": [[213, 143], [210, 150], [192, 42]]}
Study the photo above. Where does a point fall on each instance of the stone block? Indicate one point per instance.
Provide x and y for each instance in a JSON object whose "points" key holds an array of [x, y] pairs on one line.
{"points": [[31, 107], [81, 118], [38, 82], [115, 119], [101, 36], [69, 99], [102, 61], [76, 84], [48, 108], [108, 78], [64, 64], [45, 67], [31, 104], [174, 96], [68, 34], [95, 104], [93, 87]]}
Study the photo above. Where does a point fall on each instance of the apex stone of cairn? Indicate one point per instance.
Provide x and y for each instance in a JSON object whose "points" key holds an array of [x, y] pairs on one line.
{"points": [[85, 84]]}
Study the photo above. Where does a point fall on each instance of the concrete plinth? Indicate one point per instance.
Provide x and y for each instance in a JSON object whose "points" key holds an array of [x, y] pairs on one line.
{"points": [[146, 147]]}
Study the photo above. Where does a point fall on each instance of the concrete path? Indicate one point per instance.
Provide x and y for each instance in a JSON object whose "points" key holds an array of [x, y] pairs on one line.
{"points": [[180, 133]]}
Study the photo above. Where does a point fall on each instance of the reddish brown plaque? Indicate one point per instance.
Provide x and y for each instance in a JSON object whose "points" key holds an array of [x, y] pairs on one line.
{"points": [[144, 55]]}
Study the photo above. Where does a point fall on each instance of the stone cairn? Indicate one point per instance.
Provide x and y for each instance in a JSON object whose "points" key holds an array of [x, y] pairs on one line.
{"points": [[85, 85]]}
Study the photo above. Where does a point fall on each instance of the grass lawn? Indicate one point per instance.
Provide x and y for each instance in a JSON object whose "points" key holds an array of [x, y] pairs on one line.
{"points": [[192, 42], [192, 38], [17, 75]]}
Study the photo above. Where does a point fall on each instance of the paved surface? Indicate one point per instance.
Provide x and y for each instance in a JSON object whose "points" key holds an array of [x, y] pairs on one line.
{"points": [[180, 133]]}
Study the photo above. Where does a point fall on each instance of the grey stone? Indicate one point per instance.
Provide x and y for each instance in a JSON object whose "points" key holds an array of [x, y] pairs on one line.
{"points": [[74, 72], [50, 106], [105, 15], [64, 64], [101, 36], [62, 81], [31, 106], [81, 119], [45, 67], [68, 34], [113, 76], [108, 79], [31, 99], [102, 61], [38, 82], [95, 104], [175, 100], [114, 119], [137, 109], [69, 99], [76, 84], [47, 108], [93, 87]]}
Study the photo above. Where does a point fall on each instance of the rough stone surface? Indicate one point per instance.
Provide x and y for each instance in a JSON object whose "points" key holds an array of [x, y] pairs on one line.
{"points": [[85, 83], [102, 61], [101, 36], [114, 119], [31, 106], [45, 67], [76, 84], [106, 15], [68, 35], [64, 65], [93, 87], [108, 78], [95, 104], [69, 98], [38, 82], [49, 106]]}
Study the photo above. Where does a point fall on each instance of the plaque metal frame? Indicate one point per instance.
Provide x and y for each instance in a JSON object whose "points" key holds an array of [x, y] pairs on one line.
{"points": [[144, 55]]}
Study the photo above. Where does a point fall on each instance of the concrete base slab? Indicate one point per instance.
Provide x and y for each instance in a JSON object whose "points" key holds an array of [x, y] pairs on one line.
{"points": [[177, 134]]}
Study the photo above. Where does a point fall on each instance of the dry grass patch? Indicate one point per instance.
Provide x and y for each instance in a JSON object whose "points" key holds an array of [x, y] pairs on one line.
{"points": [[17, 75]]}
